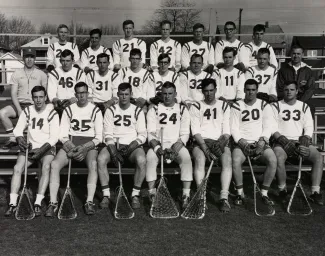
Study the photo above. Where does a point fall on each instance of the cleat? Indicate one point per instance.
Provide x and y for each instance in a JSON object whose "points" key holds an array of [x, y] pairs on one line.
{"points": [[89, 208], [52, 210], [135, 202], [104, 203], [9, 144], [11, 210], [316, 198], [267, 201], [239, 200], [37, 210], [224, 205], [185, 201], [283, 197]]}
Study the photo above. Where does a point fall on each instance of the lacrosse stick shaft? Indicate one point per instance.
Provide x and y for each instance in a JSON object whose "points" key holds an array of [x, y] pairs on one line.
{"points": [[69, 169], [162, 157], [251, 168], [300, 164], [26, 158], [209, 170], [119, 164]]}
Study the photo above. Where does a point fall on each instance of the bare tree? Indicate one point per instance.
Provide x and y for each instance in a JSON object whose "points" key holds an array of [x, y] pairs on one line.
{"points": [[46, 28]]}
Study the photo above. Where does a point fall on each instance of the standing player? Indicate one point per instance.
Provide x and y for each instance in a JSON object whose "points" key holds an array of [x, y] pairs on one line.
{"points": [[166, 45], [122, 47], [81, 130], [21, 83], [89, 55], [126, 122], [210, 128], [102, 83], [252, 48], [295, 125], [42, 122], [140, 79], [54, 51], [62, 81], [190, 81], [175, 119], [200, 47], [265, 75], [231, 41], [251, 127], [229, 79]]}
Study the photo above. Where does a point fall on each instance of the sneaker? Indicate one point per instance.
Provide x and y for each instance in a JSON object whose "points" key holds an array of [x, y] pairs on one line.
{"points": [[266, 200], [52, 210], [104, 203], [89, 208], [185, 201], [11, 210], [316, 198], [224, 205], [239, 200], [135, 202], [9, 144], [37, 210]]}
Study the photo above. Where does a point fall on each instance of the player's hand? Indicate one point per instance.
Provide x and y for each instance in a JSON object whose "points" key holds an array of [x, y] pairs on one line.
{"points": [[206, 151], [172, 68], [272, 98], [223, 141], [87, 70], [157, 99], [289, 146], [68, 146], [109, 103], [80, 153], [140, 102], [304, 151], [169, 155], [159, 152], [248, 148], [22, 143], [260, 146], [177, 146], [209, 69], [263, 96], [241, 67], [50, 68], [116, 68], [131, 147], [220, 65], [116, 157], [216, 149], [76, 66], [38, 153], [305, 141], [32, 153]]}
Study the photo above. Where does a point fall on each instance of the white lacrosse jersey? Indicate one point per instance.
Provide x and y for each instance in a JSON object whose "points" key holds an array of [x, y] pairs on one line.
{"points": [[230, 84], [61, 83], [205, 49], [54, 53], [89, 57], [191, 85], [82, 121], [102, 86], [222, 44], [122, 48], [175, 120], [294, 120], [141, 82], [172, 48], [42, 128], [251, 122], [210, 121], [250, 54], [266, 78], [126, 124]]}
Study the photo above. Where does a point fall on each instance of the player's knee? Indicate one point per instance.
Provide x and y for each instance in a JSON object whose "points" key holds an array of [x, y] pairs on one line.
{"points": [[236, 161], [3, 114], [55, 166], [46, 169], [18, 170], [102, 160], [92, 165], [199, 159], [271, 161], [141, 160], [315, 157]]}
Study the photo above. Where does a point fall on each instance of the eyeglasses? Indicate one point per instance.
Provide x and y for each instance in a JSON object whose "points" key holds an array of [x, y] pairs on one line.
{"points": [[163, 62]]}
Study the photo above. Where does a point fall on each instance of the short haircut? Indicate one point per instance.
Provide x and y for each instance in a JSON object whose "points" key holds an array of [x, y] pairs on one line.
{"points": [[229, 49], [95, 31], [290, 82], [103, 55], [230, 23], [135, 51], [164, 22], [207, 81], [258, 28], [125, 86], [168, 85], [251, 81], [62, 26], [196, 55], [197, 26], [38, 88], [263, 51], [79, 85], [163, 56], [67, 53], [127, 22], [297, 46]]}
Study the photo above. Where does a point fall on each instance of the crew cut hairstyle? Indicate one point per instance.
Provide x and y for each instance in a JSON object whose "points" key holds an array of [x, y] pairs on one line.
{"points": [[164, 22], [127, 22], [197, 26], [229, 49], [67, 53], [95, 31], [103, 55], [62, 26], [230, 23], [38, 88], [258, 27], [79, 85], [135, 51], [163, 56], [290, 82], [263, 51], [168, 85], [196, 55], [251, 81], [125, 86], [207, 81]]}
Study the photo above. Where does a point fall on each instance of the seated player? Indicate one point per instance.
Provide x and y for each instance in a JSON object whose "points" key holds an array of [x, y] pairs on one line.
{"points": [[163, 75], [229, 79], [42, 122], [175, 120], [293, 138], [190, 81], [102, 83], [210, 128], [126, 122], [265, 75], [251, 128], [62, 81], [81, 130], [168, 46]]}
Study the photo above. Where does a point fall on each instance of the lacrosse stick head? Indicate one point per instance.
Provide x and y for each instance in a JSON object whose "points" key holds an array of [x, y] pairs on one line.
{"points": [[67, 210], [298, 203], [25, 209], [262, 207], [123, 210]]}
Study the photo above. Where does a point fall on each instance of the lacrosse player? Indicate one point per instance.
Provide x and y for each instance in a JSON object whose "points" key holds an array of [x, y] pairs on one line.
{"points": [[126, 122], [175, 120], [251, 128], [293, 138], [42, 122], [83, 121], [210, 128]]}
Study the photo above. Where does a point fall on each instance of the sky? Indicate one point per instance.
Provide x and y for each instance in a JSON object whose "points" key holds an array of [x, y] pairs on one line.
{"points": [[294, 16]]}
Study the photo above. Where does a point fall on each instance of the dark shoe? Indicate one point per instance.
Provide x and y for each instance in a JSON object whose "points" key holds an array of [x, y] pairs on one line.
{"points": [[104, 203], [283, 197], [135, 202], [11, 210], [52, 210], [224, 205], [316, 198], [239, 200], [89, 208], [151, 198], [9, 144], [266, 200], [37, 210]]}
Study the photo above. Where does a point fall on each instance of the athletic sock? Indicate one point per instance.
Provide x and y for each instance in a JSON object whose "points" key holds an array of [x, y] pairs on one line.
{"points": [[224, 194], [264, 190], [91, 189], [39, 199], [240, 189], [152, 191], [54, 188], [282, 187], [10, 130], [315, 189], [106, 191], [135, 191], [13, 199], [186, 191]]}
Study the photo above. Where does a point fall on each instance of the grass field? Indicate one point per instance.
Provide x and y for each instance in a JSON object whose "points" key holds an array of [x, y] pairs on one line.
{"points": [[238, 233]]}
